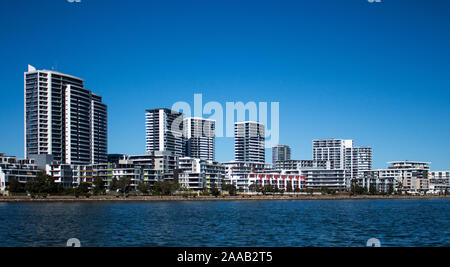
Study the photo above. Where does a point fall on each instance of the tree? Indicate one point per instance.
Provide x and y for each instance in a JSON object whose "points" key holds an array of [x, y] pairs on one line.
{"points": [[390, 189], [373, 189], [231, 188], [82, 189], [165, 188], [289, 186], [114, 185], [15, 186], [355, 188], [98, 185], [144, 188], [124, 184], [399, 187], [267, 189], [214, 190], [42, 184], [254, 187]]}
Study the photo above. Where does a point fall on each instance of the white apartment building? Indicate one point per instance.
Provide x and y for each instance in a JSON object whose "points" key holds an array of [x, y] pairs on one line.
{"points": [[357, 160], [237, 173], [302, 164], [405, 176], [63, 119], [249, 142], [332, 150], [343, 155], [439, 181], [325, 178], [157, 166], [199, 138], [164, 131], [286, 180], [198, 174], [14, 168]]}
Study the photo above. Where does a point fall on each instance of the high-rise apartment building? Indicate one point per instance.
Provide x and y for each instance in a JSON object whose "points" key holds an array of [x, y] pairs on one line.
{"points": [[164, 131], [63, 119], [281, 153], [332, 150], [199, 136], [343, 155], [249, 142], [357, 160]]}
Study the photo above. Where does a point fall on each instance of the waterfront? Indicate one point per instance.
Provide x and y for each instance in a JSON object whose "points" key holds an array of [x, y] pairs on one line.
{"points": [[400, 222]]}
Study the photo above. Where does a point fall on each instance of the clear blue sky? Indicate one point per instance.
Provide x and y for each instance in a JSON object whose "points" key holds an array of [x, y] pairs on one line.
{"points": [[375, 73]]}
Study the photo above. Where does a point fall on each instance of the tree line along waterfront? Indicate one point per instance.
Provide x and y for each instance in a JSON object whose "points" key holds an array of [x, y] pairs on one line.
{"points": [[43, 185]]}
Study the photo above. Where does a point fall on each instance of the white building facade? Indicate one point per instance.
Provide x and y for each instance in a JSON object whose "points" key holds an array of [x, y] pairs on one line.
{"points": [[63, 119], [249, 141], [164, 131], [199, 138]]}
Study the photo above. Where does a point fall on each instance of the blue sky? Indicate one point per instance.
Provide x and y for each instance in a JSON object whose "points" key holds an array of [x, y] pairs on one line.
{"points": [[377, 73]]}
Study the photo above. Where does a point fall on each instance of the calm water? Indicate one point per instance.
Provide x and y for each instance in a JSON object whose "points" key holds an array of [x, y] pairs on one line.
{"points": [[239, 223]]}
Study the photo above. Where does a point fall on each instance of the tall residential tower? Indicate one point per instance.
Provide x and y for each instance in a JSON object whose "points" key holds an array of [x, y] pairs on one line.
{"points": [[343, 155], [249, 142], [281, 153], [63, 119], [199, 135], [164, 131]]}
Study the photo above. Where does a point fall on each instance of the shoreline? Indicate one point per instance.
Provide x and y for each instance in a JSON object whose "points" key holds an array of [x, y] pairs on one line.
{"points": [[16, 199]]}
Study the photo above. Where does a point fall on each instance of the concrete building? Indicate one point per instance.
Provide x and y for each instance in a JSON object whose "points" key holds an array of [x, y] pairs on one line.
{"points": [[126, 168], [63, 119], [14, 168], [281, 153], [404, 176], [249, 142], [382, 180], [343, 155], [439, 181], [158, 166], [332, 150], [62, 173], [413, 175], [237, 173], [164, 131], [357, 160], [199, 138], [198, 174], [333, 179], [286, 180], [302, 164]]}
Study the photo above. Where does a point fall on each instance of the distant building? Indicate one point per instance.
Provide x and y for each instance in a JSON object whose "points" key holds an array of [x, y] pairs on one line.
{"points": [[114, 158], [325, 178], [403, 176], [199, 138], [343, 155], [249, 142], [14, 168], [286, 180], [237, 173], [439, 181], [63, 119], [357, 160], [301, 164], [198, 174], [332, 150], [281, 153], [158, 166], [164, 131]]}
